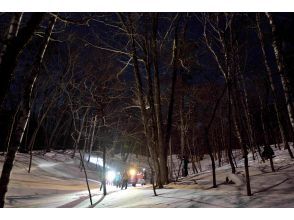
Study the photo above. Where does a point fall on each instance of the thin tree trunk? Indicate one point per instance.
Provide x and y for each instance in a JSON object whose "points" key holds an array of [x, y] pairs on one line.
{"points": [[194, 168], [171, 158], [80, 132], [104, 171], [248, 117], [182, 127], [219, 150], [272, 164], [152, 176], [173, 86], [179, 169], [11, 129], [85, 145], [52, 134], [92, 137], [238, 127], [229, 151], [206, 138], [262, 118], [207, 144], [34, 135], [248, 187], [157, 98], [86, 176]]}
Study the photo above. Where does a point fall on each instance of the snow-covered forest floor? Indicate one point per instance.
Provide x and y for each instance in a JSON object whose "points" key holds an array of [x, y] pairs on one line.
{"points": [[56, 180], [270, 189]]}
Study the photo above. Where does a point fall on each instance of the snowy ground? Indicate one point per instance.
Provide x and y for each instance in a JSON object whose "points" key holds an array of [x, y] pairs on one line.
{"points": [[269, 189], [57, 181]]}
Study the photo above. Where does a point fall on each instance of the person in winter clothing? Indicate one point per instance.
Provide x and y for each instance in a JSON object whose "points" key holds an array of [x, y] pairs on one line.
{"points": [[125, 179], [144, 174], [118, 180], [267, 153]]}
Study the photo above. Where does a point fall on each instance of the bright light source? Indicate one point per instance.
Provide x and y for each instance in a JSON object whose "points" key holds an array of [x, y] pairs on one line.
{"points": [[110, 175], [132, 172]]}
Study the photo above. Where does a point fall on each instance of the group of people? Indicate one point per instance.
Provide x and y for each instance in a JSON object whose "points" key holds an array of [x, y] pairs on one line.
{"points": [[121, 181]]}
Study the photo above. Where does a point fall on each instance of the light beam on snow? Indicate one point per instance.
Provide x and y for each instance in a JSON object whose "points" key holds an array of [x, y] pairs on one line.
{"points": [[98, 161], [110, 175]]}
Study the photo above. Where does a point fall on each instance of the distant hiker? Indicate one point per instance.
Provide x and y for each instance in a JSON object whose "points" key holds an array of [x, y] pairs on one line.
{"points": [[134, 180], [144, 174], [118, 180], [267, 153], [125, 179], [185, 168], [101, 186]]}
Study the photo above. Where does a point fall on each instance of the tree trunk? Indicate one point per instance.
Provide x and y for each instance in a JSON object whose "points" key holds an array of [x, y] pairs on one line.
{"points": [[157, 98], [86, 176], [173, 86], [11, 129], [194, 168], [152, 176], [182, 127], [238, 127], [272, 164], [179, 169], [211, 158], [248, 116], [85, 145], [82, 124], [229, 151], [104, 171], [34, 135], [92, 137], [171, 159], [206, 136], [52, 134], [248, 187]]}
